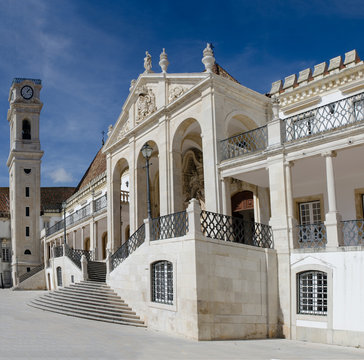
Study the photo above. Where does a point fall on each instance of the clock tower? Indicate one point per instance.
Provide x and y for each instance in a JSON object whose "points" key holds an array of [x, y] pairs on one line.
{"points": [[24, 174]]}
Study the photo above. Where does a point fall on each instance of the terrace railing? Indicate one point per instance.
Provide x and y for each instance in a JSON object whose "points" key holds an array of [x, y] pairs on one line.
{"points": [[247, 142], [169, 226], [353, 232], [312, 236], [30, 273], [128, 247], [58, 251], [322, 119], [100, 203], [76, 254], [228, 228]]}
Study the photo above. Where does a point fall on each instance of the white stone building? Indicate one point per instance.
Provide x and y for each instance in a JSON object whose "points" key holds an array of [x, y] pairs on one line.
{"points": [[255, 225]]}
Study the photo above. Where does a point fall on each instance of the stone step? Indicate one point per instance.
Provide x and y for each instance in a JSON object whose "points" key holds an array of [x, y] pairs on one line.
{"points": [[89, 317], [91, 288], [90, 308], [95, 293], [86, 302], [74, 297]]}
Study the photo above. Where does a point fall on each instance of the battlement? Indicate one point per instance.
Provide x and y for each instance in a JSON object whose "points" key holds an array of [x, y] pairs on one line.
{"points": [[320, 71], [19, 80]]}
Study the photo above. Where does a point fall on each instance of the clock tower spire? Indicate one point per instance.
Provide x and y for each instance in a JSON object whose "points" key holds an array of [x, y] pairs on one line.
{"points": [[24, 174]]}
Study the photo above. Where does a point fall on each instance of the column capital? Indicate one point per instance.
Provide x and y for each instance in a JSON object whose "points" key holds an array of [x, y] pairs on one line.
{"points": [[289, 163], [330, 153]]}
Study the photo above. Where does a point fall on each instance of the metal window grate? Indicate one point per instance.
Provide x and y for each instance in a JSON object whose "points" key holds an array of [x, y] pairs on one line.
{"points": [[162, 282], [312, 293]]}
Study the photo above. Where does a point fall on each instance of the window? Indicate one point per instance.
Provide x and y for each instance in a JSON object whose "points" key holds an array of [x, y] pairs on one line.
{"points": [[310, 213], [27, 252], [27, 171], [27, 191], [26, 133], [27, 211], [27, 231], [5, 254], [311, 230], [28, 269], [312, 293], [162, 282]]}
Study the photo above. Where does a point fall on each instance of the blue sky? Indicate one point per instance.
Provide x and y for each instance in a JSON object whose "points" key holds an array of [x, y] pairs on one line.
{"points": [[86, 53]]}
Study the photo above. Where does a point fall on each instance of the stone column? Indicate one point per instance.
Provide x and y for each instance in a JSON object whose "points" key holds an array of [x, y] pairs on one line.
{"points": [[194, 222], [164, 193], [275, 127], [280, 227], [292, 222], [332, 217], [226, 197]]}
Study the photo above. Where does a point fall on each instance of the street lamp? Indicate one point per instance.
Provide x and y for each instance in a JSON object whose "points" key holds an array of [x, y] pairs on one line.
{"points": [[64, 205], [147, 153]]}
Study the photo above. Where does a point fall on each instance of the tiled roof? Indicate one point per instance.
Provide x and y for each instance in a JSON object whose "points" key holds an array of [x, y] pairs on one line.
{"points": [[51, 198], [218, 70], [96, 168], [4, 200]]}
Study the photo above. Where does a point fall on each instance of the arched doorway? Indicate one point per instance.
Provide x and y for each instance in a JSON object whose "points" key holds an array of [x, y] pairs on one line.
{"points": [[242, 207]]}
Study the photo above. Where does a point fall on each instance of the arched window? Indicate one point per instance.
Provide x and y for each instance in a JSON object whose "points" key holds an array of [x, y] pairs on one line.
{"points": [[312, 293], [59, 276], [26, 132], [162, 282], [27, 252]]}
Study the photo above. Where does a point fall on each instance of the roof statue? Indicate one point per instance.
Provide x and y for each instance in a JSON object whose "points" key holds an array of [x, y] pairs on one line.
{"points": [[147, 63]]}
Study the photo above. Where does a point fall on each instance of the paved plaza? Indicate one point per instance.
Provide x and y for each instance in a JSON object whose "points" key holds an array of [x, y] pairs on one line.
{"points": [[28, 333]]}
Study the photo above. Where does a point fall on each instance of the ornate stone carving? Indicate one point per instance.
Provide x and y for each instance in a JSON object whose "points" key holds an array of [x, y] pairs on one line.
{"points": [[193, 180], [147, 63], [175, 93], [124, 130], [145, 104], [132, 84]]}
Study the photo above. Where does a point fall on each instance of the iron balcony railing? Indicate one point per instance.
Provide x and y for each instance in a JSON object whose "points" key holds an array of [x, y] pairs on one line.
{"points": [[247, 142], [30, 273], [128, 247], [228, 228], [169, 226], [353, 232], [335, 115], [312, 236], [58, 251], [100, 203], [76, 254]]}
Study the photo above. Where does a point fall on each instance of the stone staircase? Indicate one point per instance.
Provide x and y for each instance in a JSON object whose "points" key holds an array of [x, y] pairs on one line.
{"points": [[96, 271], [93, 300]]}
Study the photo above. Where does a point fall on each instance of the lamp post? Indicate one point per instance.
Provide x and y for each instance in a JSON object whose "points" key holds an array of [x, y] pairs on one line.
{"points": [[147, 153], [64, 205]]}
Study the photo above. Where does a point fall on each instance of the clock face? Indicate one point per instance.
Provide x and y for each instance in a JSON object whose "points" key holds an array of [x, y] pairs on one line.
{"points": [[26, 92]]}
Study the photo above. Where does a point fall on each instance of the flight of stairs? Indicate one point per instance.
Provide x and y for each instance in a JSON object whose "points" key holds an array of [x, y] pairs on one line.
{"points": [[92, 300], [96, 271]]}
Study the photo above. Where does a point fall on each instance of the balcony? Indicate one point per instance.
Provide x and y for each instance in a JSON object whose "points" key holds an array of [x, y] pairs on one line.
{"points": [[353, 232], [312, 236]]}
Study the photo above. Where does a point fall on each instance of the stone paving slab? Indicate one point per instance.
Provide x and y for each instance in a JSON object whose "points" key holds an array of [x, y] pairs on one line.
{"points": [[29, 333]]}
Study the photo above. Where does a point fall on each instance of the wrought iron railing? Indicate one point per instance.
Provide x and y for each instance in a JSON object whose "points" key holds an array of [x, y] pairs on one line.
{"points": [[100, 203], [58, 251], [312, 236], [128, 247], [76, 254], [169, 226], [353, 232], [228, 228], [247, 142], [70, 219], [31, 273], [325, 118]]}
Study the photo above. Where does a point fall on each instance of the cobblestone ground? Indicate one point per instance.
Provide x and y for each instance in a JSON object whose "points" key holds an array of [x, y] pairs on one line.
{"points": [[28, 333]]}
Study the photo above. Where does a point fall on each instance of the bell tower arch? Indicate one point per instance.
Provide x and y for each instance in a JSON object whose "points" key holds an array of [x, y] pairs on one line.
{"points": [[24, 174]]}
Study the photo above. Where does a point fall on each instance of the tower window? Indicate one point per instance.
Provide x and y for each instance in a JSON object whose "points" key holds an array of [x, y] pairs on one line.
{"points": [[27, 191], [27, 252], [26, 133], [27, 171], [27, 211], [27, 231]]}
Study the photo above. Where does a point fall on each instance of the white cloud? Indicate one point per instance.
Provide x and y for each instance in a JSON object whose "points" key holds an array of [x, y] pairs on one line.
{"points": [[60, 176]]}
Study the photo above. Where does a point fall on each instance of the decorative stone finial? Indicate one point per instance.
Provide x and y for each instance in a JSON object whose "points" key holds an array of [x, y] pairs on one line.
{"points": [[147, 63], [109, 130], [208, 58], [275, 108], [132, 84], [163, 61]]}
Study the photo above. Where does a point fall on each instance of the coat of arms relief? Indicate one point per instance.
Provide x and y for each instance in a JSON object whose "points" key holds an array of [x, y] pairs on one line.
{"points": [[145, 104]]}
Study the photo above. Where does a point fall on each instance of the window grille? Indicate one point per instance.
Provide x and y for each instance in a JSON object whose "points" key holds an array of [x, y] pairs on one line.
{"points": [[312, 291], [59, 276], [162, 282], [6, 254]]}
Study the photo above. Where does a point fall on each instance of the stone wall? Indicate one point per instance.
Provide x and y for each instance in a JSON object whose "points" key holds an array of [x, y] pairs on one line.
{"points": [[35, 282]]}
